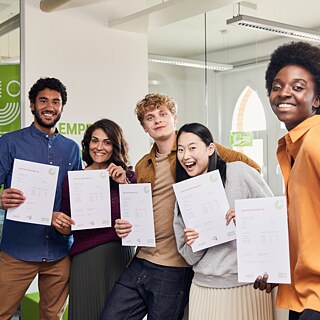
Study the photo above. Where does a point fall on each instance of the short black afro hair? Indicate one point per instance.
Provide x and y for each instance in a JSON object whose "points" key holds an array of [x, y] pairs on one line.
{"points": [[295, 53]]}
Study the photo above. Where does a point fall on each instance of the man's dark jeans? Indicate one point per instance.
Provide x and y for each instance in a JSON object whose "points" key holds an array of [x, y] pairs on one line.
{"points": [[147, 288], [306, 314]]}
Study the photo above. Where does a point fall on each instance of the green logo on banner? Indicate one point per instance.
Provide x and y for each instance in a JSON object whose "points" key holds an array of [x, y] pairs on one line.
{"points": [[9, 98], [241, 139]]}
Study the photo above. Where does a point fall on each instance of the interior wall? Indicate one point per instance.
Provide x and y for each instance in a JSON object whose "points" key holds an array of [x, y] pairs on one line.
{"points": [[105, 70], [229, 87], [186, 86], [224, 89], [169, 80]]}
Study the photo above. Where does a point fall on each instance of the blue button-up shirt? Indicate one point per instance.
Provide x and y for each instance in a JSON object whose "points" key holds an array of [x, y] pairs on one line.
{"points": [[26, 241]]}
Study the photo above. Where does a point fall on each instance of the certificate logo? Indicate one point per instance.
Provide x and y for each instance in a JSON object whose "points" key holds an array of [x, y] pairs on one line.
{"points": [[279, 204], [214, 176], [103, 174], [52, 171], [146, 189]]}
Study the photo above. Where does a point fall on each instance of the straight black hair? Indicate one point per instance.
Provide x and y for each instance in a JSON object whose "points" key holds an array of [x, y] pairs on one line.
{"points": [[215, 162]]}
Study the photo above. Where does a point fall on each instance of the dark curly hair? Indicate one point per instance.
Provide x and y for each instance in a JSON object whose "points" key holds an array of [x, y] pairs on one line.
{"points": [[294, 53], [48, 83], [115, 134], [215, 162]]}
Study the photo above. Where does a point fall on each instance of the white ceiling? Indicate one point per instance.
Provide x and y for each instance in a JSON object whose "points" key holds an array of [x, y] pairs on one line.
{"points": [[185, 38], [9, 39], [8, 9]]}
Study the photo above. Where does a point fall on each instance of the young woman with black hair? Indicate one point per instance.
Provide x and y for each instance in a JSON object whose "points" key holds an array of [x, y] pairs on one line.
{"points": [[215, 292]]}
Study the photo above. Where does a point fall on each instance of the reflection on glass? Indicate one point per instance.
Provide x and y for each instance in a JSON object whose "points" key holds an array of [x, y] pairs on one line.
{"points": [[9, 72], [9, 66], [9, 31]]}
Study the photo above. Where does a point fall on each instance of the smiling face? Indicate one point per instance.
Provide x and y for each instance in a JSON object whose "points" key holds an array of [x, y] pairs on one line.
{"points": [[47, 110], [100, 148], [159, 123], [193, 154], [293, 97]]}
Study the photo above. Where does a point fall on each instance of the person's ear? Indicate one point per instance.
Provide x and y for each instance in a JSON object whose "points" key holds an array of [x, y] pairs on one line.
{"points": [[32, 107], [144, 128], [316, 102], [211, 149]]}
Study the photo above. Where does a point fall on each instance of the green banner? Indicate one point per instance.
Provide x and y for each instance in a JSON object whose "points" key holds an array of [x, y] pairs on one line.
{"points": [[10, 110], [74, 128], [10, 116], [241, 139]]}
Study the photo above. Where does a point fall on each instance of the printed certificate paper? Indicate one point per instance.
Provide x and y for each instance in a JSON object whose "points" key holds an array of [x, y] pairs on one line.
{"points": [[38, 182], [203, 204], [136, 207], [262, 239], [90, 199]]}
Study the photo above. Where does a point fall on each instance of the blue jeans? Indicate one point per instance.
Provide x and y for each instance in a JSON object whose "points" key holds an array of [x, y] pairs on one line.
{"points": [[306, 314], [147, 288]]}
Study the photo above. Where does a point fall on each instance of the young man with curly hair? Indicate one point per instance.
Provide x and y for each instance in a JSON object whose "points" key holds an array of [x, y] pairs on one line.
{"points": [[157, 281]]}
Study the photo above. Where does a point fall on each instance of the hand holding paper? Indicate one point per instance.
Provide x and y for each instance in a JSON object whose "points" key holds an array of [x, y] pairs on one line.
{"points": [[123, 228], [203, 204], [262, 239], [11, 198], [190, 235], [38, 183], [262, 284], [90, 199], [136, 208]]}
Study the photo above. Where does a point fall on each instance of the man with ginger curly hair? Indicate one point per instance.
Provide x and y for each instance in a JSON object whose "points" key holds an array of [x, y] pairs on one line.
{"points": [[157, 281]]}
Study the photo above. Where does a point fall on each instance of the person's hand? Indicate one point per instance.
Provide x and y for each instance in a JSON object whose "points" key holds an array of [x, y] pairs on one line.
{"points": [[122, 227], [11, 198], [262, 284], [231, 215], [61, 222], [117, 173], [190, 235]]}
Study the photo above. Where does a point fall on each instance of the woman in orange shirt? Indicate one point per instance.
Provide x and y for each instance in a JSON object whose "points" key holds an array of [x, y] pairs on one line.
{"points": [[293, 85]]}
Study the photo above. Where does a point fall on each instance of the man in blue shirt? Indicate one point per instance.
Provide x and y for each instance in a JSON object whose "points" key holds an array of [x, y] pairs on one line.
{"points": [[29, 249]]}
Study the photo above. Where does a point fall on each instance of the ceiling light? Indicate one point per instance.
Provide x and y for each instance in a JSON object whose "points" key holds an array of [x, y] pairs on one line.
{"points": [[189, 63], [10, 25], [278, 28]]}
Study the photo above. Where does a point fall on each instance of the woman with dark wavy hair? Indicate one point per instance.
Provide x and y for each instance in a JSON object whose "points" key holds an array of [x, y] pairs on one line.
{"points": [[98, 258], [215, 292]]}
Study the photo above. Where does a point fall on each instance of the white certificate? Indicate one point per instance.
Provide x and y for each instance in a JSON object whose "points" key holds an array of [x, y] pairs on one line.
{"points": [[136, 208], [262, 239], [90, 199], [203, 204], [38, 182]]}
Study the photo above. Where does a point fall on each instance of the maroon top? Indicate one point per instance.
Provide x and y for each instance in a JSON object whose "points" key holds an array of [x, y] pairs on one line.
{"points": [[87, 239]]}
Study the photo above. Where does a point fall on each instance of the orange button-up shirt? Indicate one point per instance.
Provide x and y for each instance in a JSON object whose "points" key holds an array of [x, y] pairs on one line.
{"points": [[299, 158]]}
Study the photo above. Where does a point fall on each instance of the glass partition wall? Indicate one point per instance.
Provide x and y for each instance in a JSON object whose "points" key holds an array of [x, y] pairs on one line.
{"points": [[232, 101], [215, 72], [9, 70]]}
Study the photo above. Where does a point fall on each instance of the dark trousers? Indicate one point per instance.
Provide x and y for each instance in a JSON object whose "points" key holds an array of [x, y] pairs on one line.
{"points": [[306, 314], [147, 288]]}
